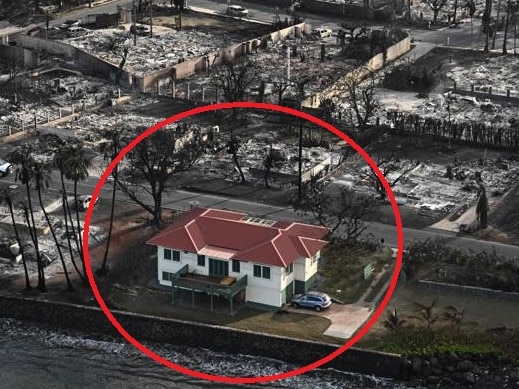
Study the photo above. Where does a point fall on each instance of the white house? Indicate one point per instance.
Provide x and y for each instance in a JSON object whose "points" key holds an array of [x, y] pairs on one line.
{"points": [[228, 254]]}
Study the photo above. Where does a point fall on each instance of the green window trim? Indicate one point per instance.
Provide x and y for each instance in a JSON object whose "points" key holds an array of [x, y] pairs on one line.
{"points": [[261, 271], [200, 260], [167, 254]]}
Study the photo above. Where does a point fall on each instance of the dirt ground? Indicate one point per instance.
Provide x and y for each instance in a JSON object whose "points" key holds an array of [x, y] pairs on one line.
{"points": [[481, 312]]}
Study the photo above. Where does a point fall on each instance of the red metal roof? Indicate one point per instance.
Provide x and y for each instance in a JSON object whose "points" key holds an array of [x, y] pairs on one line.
{"points": [[279, 243]]}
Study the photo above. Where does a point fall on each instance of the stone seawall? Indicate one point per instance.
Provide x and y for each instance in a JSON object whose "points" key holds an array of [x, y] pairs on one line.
{"points": [[92, 320]]}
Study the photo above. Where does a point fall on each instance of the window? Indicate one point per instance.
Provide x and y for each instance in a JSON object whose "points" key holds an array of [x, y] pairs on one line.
{"points": [[166, 276], [235, 266], [167, 254], [257, 271], [201, 260], [172, 255], [261, 271], [289, 269]]}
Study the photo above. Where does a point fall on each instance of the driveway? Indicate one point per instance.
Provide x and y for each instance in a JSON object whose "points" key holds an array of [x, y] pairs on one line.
{"points": [[345, 319]]}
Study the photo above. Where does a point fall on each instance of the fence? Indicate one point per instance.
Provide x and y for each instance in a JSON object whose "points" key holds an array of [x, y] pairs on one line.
{"points": [[474, 133], [50, 116], [486, 92]]}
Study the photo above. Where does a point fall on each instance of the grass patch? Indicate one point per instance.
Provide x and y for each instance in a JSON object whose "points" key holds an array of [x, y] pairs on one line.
{"points": [[343, 270], [378, 286], [444, 340], [295, 325]]}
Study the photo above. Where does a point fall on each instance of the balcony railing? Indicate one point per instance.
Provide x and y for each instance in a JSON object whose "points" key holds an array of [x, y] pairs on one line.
{"points": [[185, 280]]}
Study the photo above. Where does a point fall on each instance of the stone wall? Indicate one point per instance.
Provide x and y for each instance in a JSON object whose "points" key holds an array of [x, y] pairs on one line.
{"points": [[27, 58], [375, 63], [185, 69], [90, 63], [150, 328], [45, 45], [469, 289]]}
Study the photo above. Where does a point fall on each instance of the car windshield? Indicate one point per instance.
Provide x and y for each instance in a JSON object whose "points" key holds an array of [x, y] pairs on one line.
{"points": [[2, 162]]}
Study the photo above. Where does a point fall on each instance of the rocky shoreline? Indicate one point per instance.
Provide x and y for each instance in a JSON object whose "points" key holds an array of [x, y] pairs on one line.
{"points": [[454, 370]]}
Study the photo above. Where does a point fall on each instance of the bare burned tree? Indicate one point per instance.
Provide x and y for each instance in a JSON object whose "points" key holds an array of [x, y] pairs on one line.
{"points": [[280, 85], [388, 165], [233, 147], [13, 72], [355, 30], [340, 209], [233, 79], [273, 159], [361, 95], [486, 20], [436, 6], [120, 45], [153, 163]]}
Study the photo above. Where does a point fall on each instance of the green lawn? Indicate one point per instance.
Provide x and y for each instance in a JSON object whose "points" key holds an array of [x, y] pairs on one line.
{"points": [[343, 270]]}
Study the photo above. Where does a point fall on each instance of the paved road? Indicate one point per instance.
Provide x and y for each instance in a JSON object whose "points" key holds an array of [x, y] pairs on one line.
{"points": [[183, 200]]}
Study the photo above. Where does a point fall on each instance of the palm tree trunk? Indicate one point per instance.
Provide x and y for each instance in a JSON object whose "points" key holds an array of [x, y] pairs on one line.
{"points": [[66, 213], [237, 163], [70, 288], [79, 236], [34, 237], [18, 240], [505, 51], [103, 269]]}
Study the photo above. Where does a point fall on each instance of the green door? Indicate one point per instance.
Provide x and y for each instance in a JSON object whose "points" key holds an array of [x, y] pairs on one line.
{"points": [[218, 268]]}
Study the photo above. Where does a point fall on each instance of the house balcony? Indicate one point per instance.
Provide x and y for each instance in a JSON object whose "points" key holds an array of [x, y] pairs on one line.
{"points": [[226, 287]]}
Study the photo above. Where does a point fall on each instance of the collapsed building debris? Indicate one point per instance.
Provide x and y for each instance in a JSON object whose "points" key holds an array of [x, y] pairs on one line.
{"points": [[165, 48]]}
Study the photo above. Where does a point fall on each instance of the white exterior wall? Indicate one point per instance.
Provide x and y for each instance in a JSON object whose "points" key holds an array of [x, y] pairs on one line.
{"points": [[287, 279], [304, 268], [171, 266], [262, 290], [259, 290]]}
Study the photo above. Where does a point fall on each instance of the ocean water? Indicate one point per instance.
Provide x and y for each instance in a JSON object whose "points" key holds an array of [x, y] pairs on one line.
{"points": [[38, 358]]}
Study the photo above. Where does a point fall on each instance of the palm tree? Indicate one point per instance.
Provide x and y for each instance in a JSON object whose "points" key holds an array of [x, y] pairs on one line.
{"points": [[426, 313], [6, 197], [393, 321], [22, 156], [75, 167], [41, 178], [455, 315], [61, 155], [110, 150]]}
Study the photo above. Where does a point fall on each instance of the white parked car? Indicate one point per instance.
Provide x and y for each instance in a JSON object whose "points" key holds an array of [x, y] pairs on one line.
{"points": [[237, 10], [5, 168], [322, 32], [83, 202]]}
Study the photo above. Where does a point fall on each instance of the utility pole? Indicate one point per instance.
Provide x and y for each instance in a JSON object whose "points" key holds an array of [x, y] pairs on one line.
{"points": [[301, 89], [151, 18], [134, 24], [288, 63]]}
